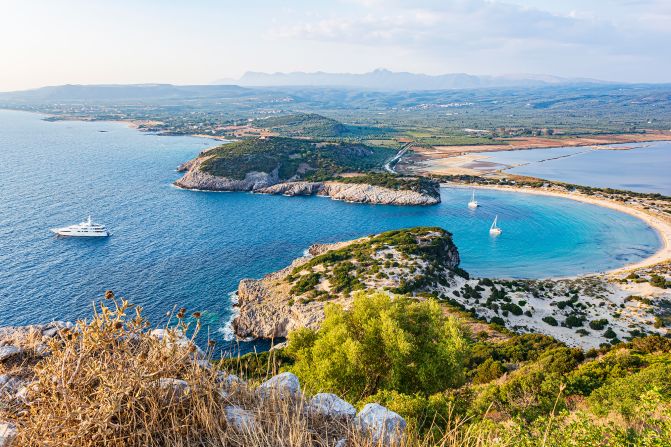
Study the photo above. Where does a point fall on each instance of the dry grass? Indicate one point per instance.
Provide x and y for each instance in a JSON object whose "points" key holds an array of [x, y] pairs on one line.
{"points": [[101, 386]]}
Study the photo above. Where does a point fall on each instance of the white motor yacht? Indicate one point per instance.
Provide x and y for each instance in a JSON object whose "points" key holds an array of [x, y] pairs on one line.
{"points": [[84, 229]]}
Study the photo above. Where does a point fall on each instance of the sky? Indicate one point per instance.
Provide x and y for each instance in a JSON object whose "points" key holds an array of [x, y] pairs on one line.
{"points": [[54, 42]]}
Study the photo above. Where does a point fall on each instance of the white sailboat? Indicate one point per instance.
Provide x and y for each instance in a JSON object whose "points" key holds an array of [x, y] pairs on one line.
{"points": [[473, 203], [494, 230]]}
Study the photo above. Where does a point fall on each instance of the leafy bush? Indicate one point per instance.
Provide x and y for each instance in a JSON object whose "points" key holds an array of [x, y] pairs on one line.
{"points": [[592, 375], [610, 333], [598, 325], [512, 308], [623, 395], [573, 321], [552, 321], [381, 344], [659, 281], [487, 371]]}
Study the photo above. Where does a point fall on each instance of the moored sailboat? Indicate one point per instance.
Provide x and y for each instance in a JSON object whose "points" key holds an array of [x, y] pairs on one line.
{"points": [[473, 203], [495, 230]]}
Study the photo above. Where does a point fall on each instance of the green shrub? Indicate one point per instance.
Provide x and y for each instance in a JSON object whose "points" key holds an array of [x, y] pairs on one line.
{"points": [[610, 333], [512, 308], [659, 281], [623, 395], [487, 371], [573, 321], [598, 325], [381, 344], [552, 321]]}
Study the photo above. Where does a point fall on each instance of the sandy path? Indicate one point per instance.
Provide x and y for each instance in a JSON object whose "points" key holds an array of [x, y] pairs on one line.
{"points": [[659, 223]]}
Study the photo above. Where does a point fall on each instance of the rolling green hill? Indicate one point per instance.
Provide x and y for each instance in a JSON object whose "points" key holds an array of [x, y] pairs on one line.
{"points": [[317, 126], [293, 158]]}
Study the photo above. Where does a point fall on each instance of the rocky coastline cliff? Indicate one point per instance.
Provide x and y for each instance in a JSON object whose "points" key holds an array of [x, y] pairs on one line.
{"points": [[270, 183], [401, 261], [212, 171], [353, 192]]}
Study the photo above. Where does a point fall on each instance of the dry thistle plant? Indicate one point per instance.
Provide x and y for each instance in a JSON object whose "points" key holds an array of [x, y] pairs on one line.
{"points": [[102, 385]]}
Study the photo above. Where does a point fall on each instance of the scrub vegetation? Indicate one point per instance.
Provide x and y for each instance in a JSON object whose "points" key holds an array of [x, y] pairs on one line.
{"points": [[522, 390], [292, 158]]}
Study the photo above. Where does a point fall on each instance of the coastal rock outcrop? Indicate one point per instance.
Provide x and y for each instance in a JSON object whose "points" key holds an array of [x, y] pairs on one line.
{"points": [[353, 192], [277, 165], [197, 179], [401, 261], [372, 188]]}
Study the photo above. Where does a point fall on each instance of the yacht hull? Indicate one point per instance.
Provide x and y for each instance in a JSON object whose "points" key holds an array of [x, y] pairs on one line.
{"points": [[64, 233]]}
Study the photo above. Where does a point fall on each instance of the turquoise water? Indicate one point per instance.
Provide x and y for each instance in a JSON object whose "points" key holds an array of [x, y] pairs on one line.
{"points": [[171, 247], [643, 169]]}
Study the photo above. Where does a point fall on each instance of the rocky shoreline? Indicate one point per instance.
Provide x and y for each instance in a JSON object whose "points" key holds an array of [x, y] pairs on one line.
{"points": [[271, 307], [270, 183]]}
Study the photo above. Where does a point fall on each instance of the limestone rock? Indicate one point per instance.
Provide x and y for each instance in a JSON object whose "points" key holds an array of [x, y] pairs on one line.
{"points": [[229, 381], [239, 419], [284, 385], [197, 179], [330, 405], [10, 386], [176, 388], [381, 424], [353, 192], [7, 433], [7, 352], [363, 193], [293, 188], [178, 339], [27, 335], [270, 183]]}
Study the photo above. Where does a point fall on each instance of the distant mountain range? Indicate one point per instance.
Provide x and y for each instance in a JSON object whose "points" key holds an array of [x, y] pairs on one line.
{"points": [[383, 79], [123, 92]]}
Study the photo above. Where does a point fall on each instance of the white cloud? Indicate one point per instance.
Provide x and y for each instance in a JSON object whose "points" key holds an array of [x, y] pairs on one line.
{"points": [[451, 25]]}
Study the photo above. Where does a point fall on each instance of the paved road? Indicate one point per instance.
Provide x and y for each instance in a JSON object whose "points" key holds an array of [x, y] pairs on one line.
{"points": [[390, 166]]}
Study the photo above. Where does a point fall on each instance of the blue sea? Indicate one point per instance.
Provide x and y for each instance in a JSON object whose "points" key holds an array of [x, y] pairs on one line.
{"points": [[644, 168], [171, 247]]}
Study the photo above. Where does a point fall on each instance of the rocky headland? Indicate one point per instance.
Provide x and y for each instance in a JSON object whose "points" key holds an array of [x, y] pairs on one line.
{"points": [[269, 183], [402, 261], [423, 262], [301, 168]]}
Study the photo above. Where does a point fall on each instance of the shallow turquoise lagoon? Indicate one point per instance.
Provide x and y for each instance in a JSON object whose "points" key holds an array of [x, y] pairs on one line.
{"points": [[644, 168], [182, 248]]}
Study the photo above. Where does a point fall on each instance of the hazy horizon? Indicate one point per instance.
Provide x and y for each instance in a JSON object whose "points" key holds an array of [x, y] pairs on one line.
{"points": [[77, 42]]}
